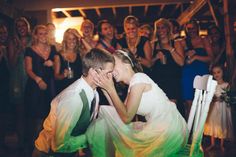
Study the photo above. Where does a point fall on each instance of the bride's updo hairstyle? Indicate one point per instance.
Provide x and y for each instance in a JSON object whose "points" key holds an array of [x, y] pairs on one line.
{"points": [[126, 57]]}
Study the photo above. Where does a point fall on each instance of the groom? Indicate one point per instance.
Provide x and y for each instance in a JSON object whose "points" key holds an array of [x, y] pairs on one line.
{"points": [[71, 111]]}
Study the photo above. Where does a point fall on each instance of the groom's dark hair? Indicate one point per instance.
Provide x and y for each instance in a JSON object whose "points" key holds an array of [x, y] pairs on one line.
{"points": [[96, 59]]}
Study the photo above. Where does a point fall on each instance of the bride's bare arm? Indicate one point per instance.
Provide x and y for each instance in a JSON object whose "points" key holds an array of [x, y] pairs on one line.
{"points": [[132, 102], [107, 97]]}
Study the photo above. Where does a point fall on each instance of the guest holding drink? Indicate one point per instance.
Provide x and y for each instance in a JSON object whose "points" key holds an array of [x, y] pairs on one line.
{"points": [[167, 60], [68, 65]]}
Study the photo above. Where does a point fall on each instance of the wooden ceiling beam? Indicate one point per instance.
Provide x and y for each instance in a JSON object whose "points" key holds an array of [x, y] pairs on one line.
{"points": [[130, 9], [82, 13], [145, 10], [191, 11], [161, 9], [66, 13], [213, 12], [114, 11], [176, 7], [98, 12], [228, 29]]}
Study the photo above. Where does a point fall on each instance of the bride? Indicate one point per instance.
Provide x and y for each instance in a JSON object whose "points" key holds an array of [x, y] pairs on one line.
{"points": [[164, 132]]}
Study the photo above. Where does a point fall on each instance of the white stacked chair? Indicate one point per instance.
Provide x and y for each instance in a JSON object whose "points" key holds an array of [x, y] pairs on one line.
{"points": [[204, 91]]}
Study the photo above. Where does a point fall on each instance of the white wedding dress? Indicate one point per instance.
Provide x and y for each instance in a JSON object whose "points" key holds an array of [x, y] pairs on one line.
{"points": [[164, 133]]}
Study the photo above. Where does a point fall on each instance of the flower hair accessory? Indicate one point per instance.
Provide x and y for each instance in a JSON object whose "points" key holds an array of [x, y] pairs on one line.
{"points": [[126, 55]]}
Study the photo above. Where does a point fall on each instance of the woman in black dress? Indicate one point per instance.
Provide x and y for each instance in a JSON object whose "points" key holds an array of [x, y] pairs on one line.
{"points": [[139, 46], [67, 63], [167, 60], [40, 88]]}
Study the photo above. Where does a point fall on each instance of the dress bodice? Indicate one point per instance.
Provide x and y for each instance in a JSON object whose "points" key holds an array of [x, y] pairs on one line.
{"points": [[140, 46], [220, 89], [171, 68], [153, 102], [200, 51], [75, 66], [38, 66], [140, 49]]}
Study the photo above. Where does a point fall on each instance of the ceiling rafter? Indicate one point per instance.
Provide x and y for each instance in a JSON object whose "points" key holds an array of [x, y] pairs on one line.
{"points": [[122, 5], [66, 13], [114, 11], [191, 11], [176, 7], [130, 9], [213, 12], [145, 10], [82, 13], [98, 12], [161, 9]]}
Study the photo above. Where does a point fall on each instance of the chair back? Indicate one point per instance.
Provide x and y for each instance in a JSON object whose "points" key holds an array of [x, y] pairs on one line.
{"points": [[204, 91]]}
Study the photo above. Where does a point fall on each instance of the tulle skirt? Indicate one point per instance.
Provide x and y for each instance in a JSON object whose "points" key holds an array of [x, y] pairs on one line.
{"points": [[219, 121], [162, 136]]}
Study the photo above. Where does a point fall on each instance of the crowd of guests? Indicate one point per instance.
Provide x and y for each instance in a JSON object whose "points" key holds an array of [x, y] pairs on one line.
{"points": [[35, 68]]}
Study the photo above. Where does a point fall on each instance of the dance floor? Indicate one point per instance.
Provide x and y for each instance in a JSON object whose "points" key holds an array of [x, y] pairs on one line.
{"points": [[11, 149]]}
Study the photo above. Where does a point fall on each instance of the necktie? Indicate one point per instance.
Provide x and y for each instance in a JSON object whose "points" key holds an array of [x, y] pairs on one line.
{"points": [[92, 108], [93, 103]]}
